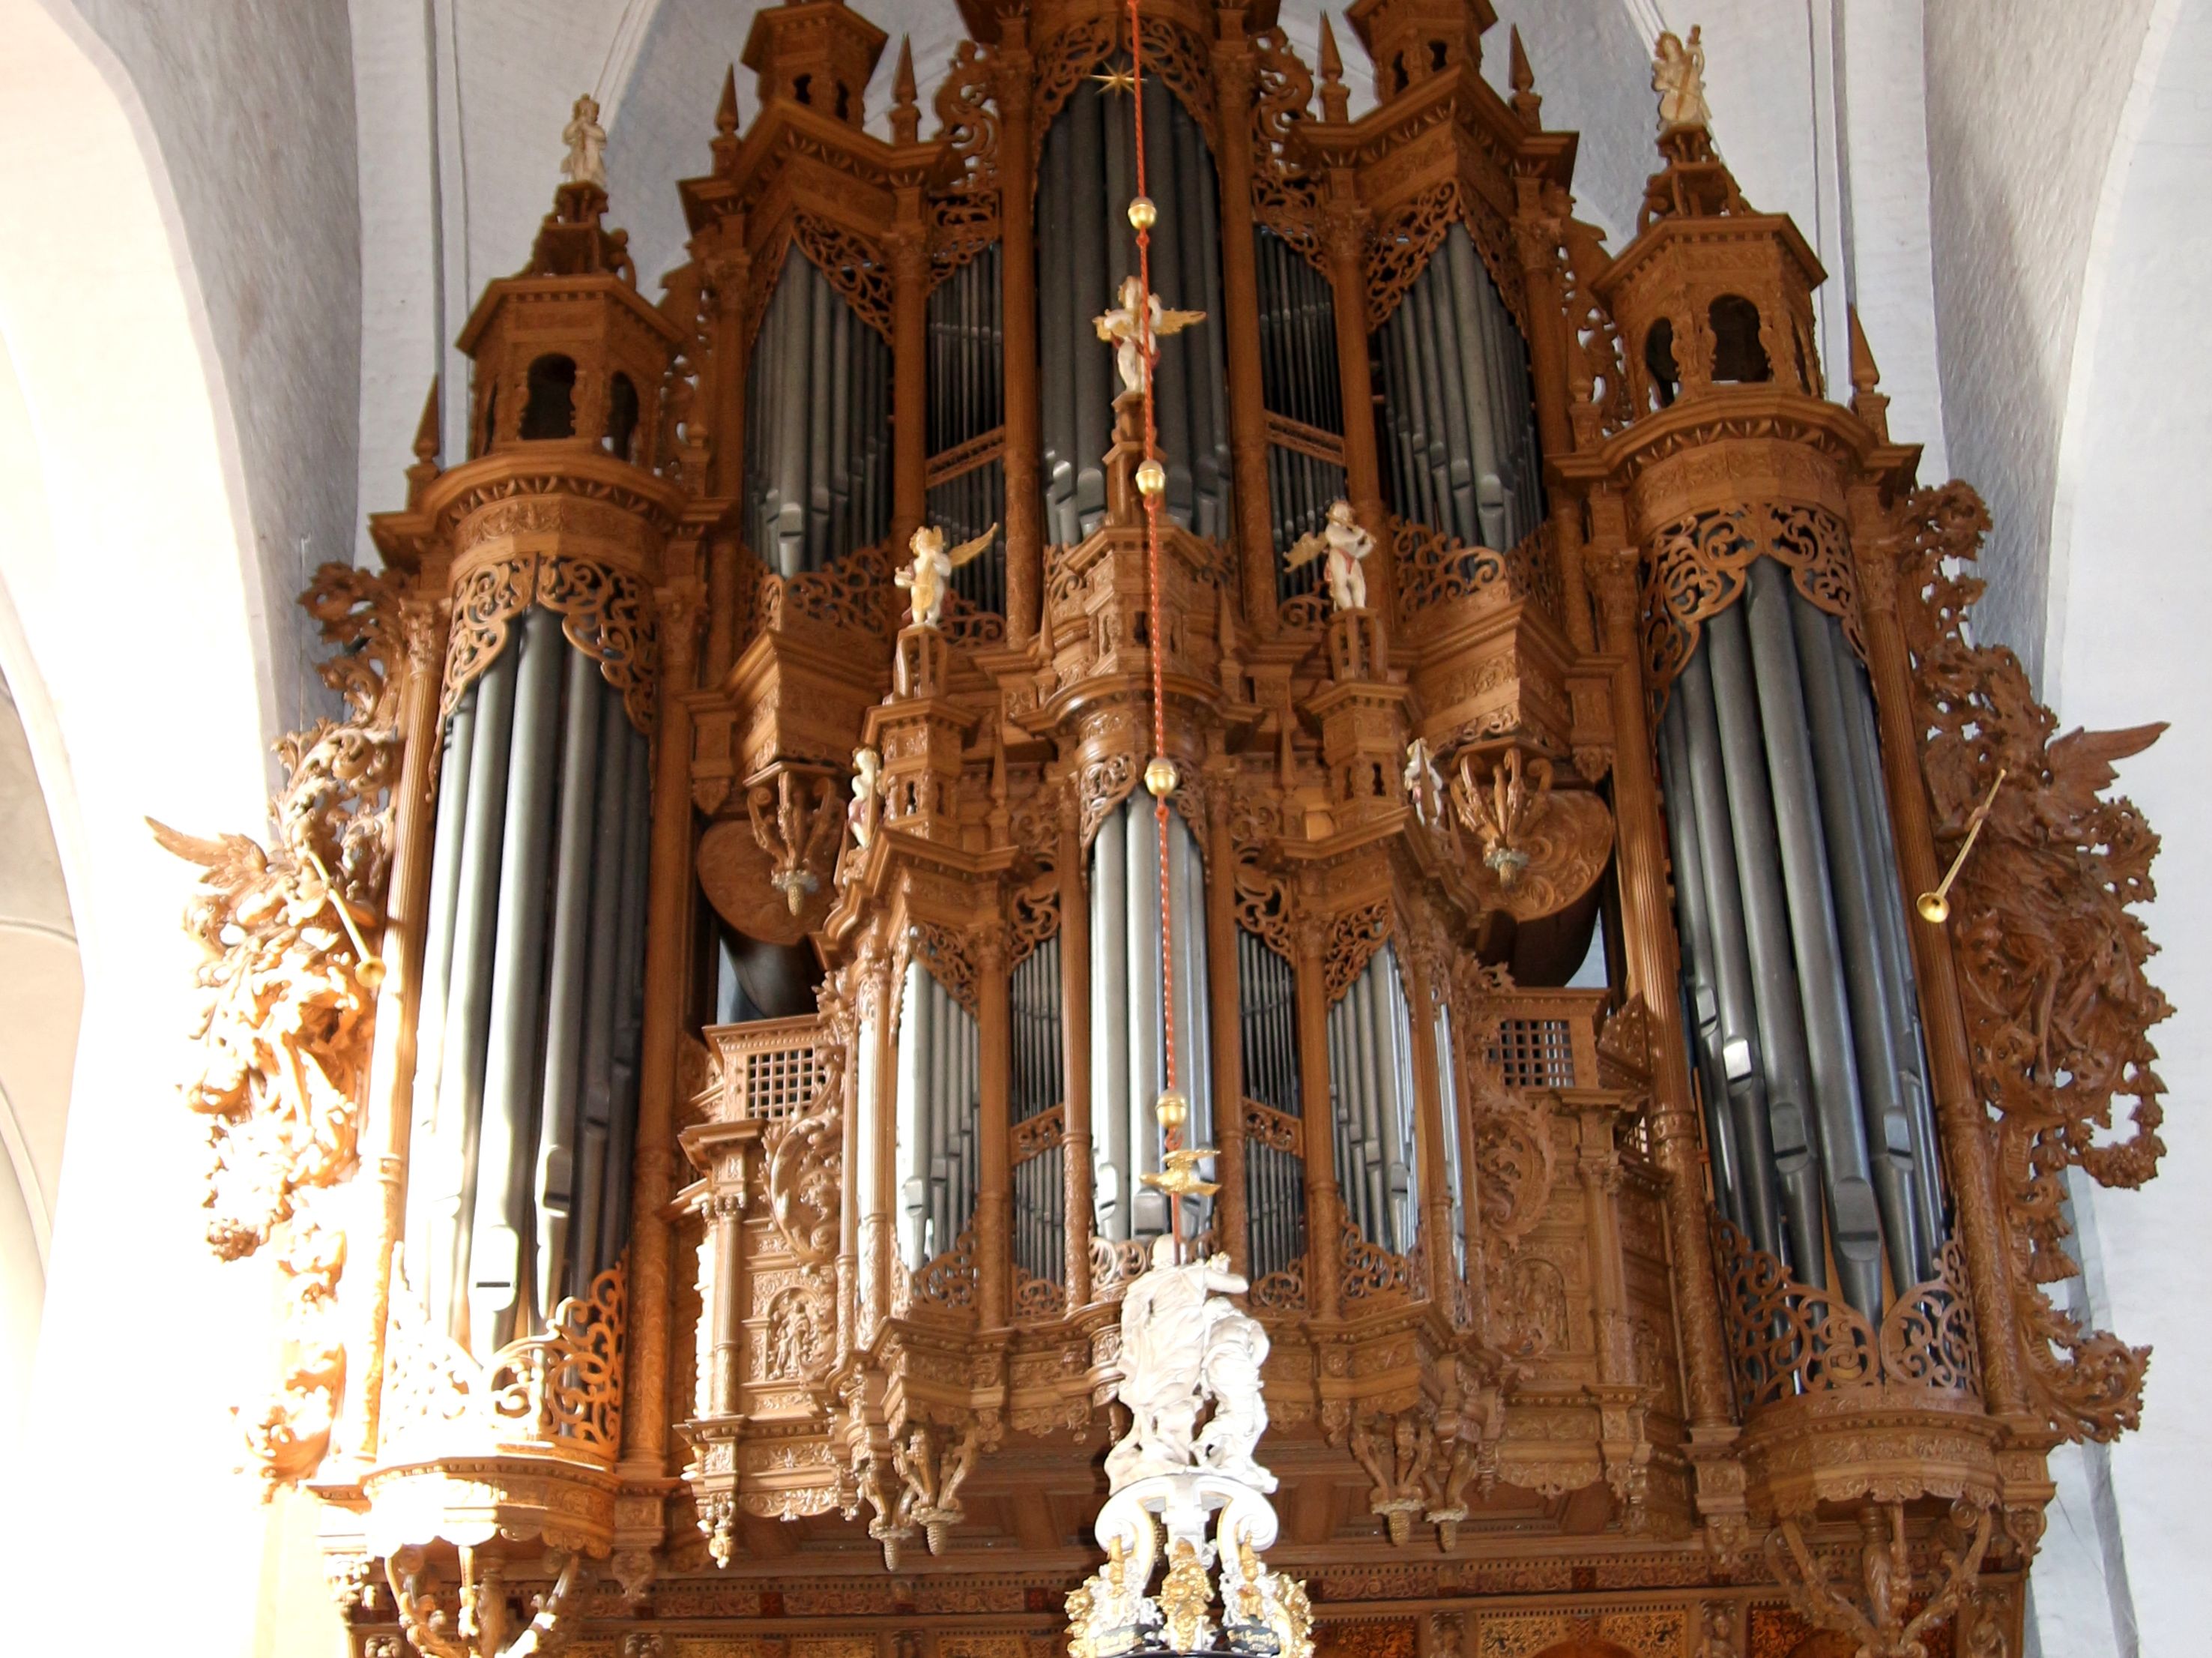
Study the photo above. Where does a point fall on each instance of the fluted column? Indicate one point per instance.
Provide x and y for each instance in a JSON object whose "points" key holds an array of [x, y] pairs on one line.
{"points": [[909, 367], [1024, 505], [1433, 1120], [392, 1060], [1647, 932], [1344, 234], [1959, 1108], [667, 962], [1240, 291], [1324, 1220], [1536, 239]]}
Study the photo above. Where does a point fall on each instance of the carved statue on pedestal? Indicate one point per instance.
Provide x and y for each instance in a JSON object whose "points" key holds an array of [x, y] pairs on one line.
{"points": [[1345, 544]]}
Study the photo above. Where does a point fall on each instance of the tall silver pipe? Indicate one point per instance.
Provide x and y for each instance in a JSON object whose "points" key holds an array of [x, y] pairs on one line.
{"points": [[629, 1024], [1700, 995], [425, 1176], [1471, 299], [557, 1124], [468, 1004], [1856, 1226], [510, 1093], [1781, 1042], [602, 978], [1857, 901], [1110, 1023]]}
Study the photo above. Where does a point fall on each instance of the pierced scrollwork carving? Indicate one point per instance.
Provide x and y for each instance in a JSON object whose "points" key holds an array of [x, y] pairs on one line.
{"points": [[605, 612], [856, 267], [950, 957], [806, 1168], [1285, 196], [469, 1618], [1350, 944], [2051, 955], [1399, 248], [1369, 1271], [854, 594], [289, 987], [1698, 565], [963, 214], [1434, 570]]}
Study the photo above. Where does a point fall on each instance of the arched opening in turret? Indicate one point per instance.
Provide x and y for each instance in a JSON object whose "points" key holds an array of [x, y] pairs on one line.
{"points": [[802, 88], [1659, 363], [551, 411], [1738, 355], [621, 417]]}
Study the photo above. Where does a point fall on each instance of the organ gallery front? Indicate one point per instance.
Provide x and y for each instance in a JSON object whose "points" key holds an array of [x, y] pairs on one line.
{"points": [[1166, 664]]}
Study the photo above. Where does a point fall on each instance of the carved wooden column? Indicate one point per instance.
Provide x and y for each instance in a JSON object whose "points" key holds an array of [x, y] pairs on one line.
{"points": [[1597, 1165], [1075, 1059], [722, 396], [721, 1261], [667, 962], [391, 1061], [1432, 1122], [1647, 928], [1536, 237], [993, 1176], [1230, 1225], [1024, 505], [1240, 292], [1344, 234], [1324, 1224], [909, 251], [879, 1237], [1965, 1121]]}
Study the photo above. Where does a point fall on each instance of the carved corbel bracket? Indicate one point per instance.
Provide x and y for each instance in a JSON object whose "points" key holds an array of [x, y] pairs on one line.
{"points": [[1880, 1615]]}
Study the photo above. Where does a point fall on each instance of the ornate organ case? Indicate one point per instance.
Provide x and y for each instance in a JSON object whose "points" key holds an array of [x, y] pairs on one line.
{"points": [[756, 1153]]}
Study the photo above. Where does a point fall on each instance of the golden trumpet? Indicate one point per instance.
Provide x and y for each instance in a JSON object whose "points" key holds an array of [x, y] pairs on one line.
{"points": [[366, 967], [1935, 907]]}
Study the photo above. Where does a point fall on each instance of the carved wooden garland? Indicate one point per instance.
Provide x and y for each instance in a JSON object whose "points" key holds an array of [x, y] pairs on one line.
{"points": [[1698, 567], [1399, 248], [2051, 955], [964, 215], [1176, 57], [606, 613]]}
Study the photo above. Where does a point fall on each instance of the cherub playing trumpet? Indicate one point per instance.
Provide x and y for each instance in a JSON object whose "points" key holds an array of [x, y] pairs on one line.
{"points": [[1345, 544], [1123, 329], [925, 578]]}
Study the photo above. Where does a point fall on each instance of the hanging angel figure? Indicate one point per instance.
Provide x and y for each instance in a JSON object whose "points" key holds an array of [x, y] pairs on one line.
{"points": [[1347, 545], [1123, 329], [1425, 784], [1678, 76], [925, 579], [586, 160]]}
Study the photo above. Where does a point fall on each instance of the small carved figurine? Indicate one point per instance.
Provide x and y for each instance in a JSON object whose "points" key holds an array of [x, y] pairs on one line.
{"points": [[1425, 784], [586, 160], [1678, 76], [925, 579], [867, 786], [1347, 545], [1123, 329]]}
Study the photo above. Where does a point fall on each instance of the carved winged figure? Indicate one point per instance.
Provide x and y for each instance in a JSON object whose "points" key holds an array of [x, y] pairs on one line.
{"points": [[1345, 544], [1123, 328], [1425, 784], [586, 160], [925, 578], [1678, 76]]}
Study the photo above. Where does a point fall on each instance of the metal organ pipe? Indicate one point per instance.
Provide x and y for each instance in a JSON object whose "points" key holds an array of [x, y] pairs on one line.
{"points": [[1789, 899]]}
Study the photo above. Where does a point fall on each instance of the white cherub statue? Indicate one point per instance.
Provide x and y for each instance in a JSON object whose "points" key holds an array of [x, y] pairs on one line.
{"points": [[925, 579], [1678, 76], [1345, 544], [861, 811], [586, 160], [1425, 784], [1123, 329]]}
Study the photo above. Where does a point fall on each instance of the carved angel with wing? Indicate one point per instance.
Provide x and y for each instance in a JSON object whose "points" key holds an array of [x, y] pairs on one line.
{"points": [[1123, 328], [1345, 543], [932, 567]]}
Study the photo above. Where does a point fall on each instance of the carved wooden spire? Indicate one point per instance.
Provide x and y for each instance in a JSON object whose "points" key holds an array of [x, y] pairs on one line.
{"points": [[724, 145], [906, 112], [428, 439], [1335, 96], [1868, 402], [1527, 104]]}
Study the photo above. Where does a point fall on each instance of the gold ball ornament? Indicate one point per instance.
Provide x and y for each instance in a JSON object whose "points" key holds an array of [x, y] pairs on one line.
{"points": [[1143, 214], [1173, 1110], [1151, 477], [1160, 776]]}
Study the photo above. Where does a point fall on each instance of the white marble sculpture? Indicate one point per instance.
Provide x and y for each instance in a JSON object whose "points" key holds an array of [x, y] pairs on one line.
{"points": [[1195, 1501], [1346, 545], [586, 160], [926, 578], [1678, 76], [1122, 328]]}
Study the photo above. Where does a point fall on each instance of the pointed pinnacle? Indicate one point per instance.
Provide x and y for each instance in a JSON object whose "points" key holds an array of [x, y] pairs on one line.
{"points": [[428, 431], [1523, 77], [725, 114], [1332, 66], [1866, 374], [902, 89]]}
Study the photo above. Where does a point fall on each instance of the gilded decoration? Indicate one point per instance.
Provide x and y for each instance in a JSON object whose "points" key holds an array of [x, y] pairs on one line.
{"points": [[289, 987], [2050, 954], [605, 612], [1699, 564]]}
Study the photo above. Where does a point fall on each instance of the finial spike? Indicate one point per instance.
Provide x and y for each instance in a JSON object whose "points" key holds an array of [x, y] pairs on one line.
{"points": [[1335, 96], [1526, 102], [725, 114], [906, 114], [1866, 374], [429, 430], [1332, 65]]}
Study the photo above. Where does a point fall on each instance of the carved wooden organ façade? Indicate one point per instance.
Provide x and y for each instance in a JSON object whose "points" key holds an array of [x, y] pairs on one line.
{"points": [[761, 1156]]}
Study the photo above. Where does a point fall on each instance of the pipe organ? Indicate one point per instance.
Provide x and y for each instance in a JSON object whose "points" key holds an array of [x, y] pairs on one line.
{"points": [[1009, 706]]}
